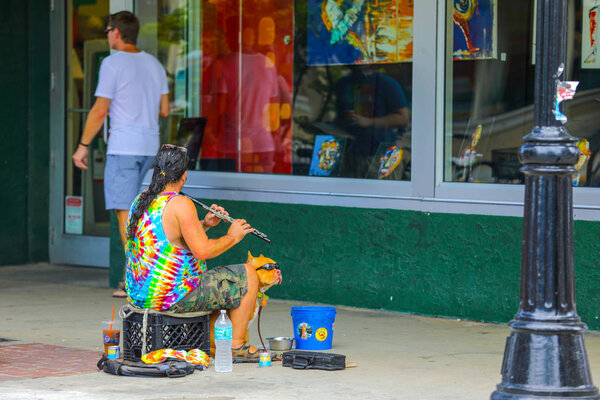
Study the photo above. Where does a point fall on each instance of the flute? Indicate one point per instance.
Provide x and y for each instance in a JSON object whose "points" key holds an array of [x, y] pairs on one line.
{"points": [[227, 218]]}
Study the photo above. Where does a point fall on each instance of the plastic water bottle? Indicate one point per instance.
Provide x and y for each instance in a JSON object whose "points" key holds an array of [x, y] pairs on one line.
{"points": [[223, 336]]}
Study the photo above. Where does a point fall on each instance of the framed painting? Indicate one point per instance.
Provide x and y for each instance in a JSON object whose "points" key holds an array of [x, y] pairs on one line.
{"points": [[475, 29], [359, 31]]}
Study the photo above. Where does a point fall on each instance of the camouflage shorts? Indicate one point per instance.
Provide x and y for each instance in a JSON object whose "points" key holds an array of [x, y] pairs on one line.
{"points": [[220, 287]]}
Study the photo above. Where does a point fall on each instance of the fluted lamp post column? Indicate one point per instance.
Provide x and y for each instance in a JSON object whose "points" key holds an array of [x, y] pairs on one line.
{"points": [[545, 355]]}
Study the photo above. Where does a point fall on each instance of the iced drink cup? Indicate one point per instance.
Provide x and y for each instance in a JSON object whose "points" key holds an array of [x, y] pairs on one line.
{"points": [[110, 336]]}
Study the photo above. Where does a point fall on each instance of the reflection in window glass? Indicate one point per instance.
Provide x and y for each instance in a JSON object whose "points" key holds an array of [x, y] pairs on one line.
{"points": [[170, 30], [489, 93], [352, 98], [286, 87], [247, 85]]}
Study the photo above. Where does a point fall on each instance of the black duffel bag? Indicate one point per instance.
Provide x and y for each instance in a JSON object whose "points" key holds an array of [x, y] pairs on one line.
{"points": [[171, 369], [299, 359]]}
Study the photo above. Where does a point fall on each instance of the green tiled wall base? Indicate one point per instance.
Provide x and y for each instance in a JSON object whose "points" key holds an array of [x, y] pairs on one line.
{"points": [[452, 265]]}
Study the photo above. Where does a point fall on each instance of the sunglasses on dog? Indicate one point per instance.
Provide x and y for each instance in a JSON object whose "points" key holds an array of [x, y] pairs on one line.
{"points": [[269, 267], [172, 146]]}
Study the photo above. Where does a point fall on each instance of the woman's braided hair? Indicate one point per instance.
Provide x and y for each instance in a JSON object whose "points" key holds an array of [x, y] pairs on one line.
{"points": [[169, 165]]}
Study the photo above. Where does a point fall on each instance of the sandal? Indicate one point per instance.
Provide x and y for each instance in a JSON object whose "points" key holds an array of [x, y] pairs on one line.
{"points": [[244, 351], [120, 293]]}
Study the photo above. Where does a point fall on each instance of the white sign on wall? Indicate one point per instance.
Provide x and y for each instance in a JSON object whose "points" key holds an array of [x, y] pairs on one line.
{"points": [[74, 215]]}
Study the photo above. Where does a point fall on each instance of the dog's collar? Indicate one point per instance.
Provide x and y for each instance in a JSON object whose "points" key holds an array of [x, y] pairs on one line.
{"points": [[263, 298]]}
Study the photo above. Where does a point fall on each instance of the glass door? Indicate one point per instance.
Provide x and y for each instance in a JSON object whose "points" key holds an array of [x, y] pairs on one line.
{"points": [[86, 47], [79, 223]]}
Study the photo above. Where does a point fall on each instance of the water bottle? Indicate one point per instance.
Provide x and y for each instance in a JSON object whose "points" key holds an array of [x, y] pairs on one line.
{"points": [[223, 336]]}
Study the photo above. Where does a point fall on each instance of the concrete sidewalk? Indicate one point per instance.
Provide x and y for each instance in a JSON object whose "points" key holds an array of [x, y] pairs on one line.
{"points": [[399, 356]]}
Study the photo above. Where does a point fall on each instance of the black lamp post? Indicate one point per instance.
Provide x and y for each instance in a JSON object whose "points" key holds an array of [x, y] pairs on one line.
{"points": [[545, 355]]}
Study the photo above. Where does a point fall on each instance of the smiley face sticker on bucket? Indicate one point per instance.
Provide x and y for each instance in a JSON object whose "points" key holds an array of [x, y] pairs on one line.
{"points": [[313, 327], [321, 334]]}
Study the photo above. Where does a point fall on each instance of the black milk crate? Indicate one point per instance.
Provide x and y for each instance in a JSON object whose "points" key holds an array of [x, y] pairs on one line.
{"points": [[164, 332]]}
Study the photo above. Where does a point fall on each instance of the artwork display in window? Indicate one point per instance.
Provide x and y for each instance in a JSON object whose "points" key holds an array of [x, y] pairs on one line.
{"points": [[389, 161], [475, 27], [326, 156], [359, 31], [589, 34], [579, 178]]}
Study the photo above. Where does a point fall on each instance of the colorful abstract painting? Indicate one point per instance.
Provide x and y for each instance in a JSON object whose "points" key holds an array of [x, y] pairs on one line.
{"points": [[589, 34], [475, 29], [359, 31], [326, 156]]}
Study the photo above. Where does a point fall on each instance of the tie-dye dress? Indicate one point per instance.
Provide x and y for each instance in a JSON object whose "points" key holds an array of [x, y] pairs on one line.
{"points": [[158, 273]]}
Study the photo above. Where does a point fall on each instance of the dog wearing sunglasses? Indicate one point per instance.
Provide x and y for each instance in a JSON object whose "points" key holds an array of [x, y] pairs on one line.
{"points": [[269, 275]]}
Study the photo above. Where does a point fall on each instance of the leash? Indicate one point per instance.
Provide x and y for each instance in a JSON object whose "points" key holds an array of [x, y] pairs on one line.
{"points": [[259, 335], [263, 302]]}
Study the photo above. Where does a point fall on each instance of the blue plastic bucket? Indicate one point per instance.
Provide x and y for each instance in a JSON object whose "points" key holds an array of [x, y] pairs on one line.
{"points": [[313, 327]]}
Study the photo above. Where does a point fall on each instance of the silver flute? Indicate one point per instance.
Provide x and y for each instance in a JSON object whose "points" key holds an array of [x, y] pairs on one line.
{"points": [[224, 217]]}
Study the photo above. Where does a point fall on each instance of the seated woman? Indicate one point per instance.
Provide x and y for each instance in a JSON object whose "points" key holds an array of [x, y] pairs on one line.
{"points": [[167, 247]]}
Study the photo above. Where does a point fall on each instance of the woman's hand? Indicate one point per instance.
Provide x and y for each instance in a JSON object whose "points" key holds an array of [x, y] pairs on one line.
{"points": [[238, 229], [210, 219]]}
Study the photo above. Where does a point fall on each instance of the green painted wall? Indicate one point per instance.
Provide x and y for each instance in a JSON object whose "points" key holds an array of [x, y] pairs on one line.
{"points": [[24, 112], [460, 266], [38, 131], [14, 149], [463, 266]]}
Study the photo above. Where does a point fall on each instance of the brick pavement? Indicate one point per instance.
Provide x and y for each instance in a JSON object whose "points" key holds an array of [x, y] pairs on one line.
{"points": [[37, 360]]}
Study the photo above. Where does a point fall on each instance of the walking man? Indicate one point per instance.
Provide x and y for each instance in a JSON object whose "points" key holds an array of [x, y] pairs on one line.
{"points": [[132, 89]]}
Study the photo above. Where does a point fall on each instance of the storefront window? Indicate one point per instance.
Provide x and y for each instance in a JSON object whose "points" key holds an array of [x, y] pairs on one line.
{"points": [[353, 89], [489, 93], [305, 88]]}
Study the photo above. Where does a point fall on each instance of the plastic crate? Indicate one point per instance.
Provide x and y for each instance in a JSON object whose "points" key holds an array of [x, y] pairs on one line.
{"points": [[164, 332]]}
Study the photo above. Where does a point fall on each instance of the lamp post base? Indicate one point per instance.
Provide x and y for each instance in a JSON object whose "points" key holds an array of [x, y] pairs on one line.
{"points": [[498, 395], [546, 363]]}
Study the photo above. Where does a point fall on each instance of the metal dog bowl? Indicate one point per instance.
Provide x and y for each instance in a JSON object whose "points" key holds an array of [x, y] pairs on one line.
{"points": [[280, 343]]}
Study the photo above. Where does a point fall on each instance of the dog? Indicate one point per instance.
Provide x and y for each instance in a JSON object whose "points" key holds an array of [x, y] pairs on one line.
{"points": [[268, 275]]}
